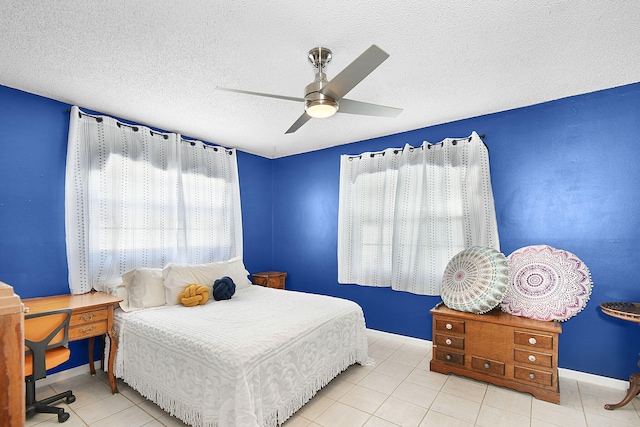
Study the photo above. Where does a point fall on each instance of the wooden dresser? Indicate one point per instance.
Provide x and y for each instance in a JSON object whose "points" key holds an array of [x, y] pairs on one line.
{"points": [[498, 348], [12, 388], [270, 279]]}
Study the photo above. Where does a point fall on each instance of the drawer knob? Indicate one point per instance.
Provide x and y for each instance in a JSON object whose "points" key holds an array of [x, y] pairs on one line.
{"points": [[532, 341], [532, 358], [448, 326], [532, 376], [448, 341], [487, 366], [449, 357], [87, 329]]}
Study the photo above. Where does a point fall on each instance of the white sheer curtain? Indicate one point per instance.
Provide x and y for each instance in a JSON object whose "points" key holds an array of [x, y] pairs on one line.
{"points": [[404, 213], [139, 198]]}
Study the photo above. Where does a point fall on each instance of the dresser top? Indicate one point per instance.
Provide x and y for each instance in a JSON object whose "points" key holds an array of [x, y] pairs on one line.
{"points": [[500, 317]]}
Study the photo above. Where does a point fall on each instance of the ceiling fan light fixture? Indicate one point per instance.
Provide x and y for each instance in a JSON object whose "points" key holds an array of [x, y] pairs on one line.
{"points": [[321, 108]]}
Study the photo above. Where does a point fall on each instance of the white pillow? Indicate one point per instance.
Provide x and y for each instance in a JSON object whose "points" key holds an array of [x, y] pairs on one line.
{"points": [[235, 269], [179, 276], [115, 287], [145, 288]]}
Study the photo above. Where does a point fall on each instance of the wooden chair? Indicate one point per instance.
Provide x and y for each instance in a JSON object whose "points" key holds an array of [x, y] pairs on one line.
{"points": [[45, 336]]}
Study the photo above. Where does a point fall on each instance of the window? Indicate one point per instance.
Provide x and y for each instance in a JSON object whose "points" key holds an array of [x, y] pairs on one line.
{"points": [[404, 213], [138, 198]]}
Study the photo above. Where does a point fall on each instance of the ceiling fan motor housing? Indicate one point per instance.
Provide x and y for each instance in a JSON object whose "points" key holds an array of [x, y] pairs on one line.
{"points": [[316, 100]]}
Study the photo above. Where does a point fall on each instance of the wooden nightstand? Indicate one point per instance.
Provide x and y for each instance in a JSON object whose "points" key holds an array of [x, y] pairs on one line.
{"points": [[270, 279]]}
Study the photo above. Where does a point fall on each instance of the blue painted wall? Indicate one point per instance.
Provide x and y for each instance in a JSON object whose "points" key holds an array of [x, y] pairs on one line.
{"points": [[564, 173], [33, 146]]}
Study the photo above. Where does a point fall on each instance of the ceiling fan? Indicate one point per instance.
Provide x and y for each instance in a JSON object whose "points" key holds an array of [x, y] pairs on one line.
{"points": [[324, 98]]}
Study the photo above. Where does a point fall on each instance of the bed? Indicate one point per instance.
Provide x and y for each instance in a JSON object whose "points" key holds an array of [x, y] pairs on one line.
{"points": [[252, 360]]}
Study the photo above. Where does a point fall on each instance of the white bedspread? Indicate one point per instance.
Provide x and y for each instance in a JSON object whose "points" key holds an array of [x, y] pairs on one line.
{"points": [[250, 361]]}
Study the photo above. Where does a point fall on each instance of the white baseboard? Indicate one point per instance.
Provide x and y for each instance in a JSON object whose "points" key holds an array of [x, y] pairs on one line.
{"points": [[69, 373], [593, 379], [562, 372]]}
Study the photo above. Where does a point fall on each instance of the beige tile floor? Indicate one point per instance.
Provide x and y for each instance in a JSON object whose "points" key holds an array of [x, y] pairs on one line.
{"points": [[398, 390]]}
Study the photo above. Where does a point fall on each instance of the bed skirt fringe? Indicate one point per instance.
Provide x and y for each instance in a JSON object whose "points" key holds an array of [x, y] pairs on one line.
{"points": [[283, 413]]}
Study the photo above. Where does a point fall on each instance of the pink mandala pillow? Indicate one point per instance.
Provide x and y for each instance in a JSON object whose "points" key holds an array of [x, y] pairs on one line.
{"points": [[546, 284]]}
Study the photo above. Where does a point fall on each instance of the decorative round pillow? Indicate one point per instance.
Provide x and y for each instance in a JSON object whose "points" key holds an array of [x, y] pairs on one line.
{"points": [[475, 280], [194, 295], [223, 288], [546, 284]]}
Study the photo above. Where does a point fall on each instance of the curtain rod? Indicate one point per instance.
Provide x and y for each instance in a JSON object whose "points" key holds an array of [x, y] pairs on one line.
{"points": [[400, 150], [164, 135]]}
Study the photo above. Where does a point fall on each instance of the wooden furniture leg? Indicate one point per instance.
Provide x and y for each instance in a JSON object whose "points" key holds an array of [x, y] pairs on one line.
{"points": [[633, 391], [92, 368], [113, 345]]}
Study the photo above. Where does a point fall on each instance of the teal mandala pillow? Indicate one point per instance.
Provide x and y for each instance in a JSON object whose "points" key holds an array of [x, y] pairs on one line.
{"points": [[475, 280]]}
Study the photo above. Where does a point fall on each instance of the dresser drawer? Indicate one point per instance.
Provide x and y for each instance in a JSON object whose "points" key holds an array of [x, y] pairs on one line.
{"points": [[446, 355], [533, 375], [533, 358], [487, 365], [450, 341], [533, 340], [456, 326]]}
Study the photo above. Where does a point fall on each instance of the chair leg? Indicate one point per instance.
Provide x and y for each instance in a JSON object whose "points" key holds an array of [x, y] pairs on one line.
{"points": [[44, 406]]}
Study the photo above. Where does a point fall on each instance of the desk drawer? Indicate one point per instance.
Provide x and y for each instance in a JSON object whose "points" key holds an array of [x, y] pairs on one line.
{"points": [[88, 317], [88, 323], [87, 330]]}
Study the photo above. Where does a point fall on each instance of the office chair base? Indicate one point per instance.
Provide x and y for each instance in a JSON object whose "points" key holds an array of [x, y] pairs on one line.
{"points": [[44, 406]]}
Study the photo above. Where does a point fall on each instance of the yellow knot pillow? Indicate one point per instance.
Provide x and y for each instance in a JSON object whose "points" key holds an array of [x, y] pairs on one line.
{"points": [[194, 295]]}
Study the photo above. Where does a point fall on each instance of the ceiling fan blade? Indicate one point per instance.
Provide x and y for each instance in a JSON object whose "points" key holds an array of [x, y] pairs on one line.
{"points": [[354, 73], [268, 95], [350, 106], [304, 118]]}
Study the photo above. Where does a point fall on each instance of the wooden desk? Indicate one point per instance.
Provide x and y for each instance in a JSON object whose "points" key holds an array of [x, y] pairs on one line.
{"points": [[91, 316]]}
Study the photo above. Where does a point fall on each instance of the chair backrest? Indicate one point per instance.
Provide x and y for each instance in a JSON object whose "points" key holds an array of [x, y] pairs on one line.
{"points": [[45, 331]]}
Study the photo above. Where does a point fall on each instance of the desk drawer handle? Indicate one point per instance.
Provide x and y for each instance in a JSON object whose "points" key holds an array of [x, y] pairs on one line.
{"points": [[448, 341], [487, 366], [448, 326], [87, 317], [532, 341], [87, 329], [449, 357], [532, 358], [532, 376]]}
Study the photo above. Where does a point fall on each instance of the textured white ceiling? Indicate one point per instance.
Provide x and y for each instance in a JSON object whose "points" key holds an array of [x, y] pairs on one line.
{"points": [[158, 62]]}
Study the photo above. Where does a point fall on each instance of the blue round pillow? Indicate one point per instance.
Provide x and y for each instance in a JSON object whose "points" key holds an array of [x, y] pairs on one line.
{"points": [[223, 288]]}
